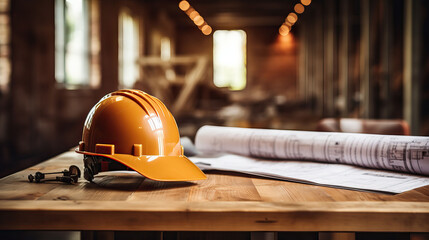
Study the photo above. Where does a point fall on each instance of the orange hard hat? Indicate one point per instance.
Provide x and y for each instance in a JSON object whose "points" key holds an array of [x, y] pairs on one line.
{"points": [[137, 130]]}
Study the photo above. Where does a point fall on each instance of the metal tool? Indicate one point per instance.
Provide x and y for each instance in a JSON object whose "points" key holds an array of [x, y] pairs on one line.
{"points": [[71, 175]]}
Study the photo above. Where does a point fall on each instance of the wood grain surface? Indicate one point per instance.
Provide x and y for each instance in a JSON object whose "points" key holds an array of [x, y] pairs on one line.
{"points": [[223, 202]]}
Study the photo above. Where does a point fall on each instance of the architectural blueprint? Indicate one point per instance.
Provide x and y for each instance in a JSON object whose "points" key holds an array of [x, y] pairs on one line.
{"points": [[319, 173], [398, 153], [280, 153]]}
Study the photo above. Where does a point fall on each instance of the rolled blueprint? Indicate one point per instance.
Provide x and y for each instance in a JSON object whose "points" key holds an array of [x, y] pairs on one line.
{"points": [[398, 153]]}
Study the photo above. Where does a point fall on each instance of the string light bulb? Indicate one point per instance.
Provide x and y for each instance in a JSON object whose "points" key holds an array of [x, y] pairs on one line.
{"points": [[195, 17], [198, 20], [285, 28], [184, 5], [206, 29], [299, 8], [305, 2], [292, 18]]}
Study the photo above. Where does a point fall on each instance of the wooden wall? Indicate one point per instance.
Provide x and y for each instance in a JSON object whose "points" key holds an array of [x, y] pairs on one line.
{"points": [[271, 59], [32, 106], [343, 58], [366, 59], [39, 117]]}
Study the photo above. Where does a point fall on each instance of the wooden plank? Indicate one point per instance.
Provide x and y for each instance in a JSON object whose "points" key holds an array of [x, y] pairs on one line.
{"points": [[131, 186], [271, 190], [223, 202], [105, 187], [222, 187], [10, 185], [215, 216], [150, 190]]}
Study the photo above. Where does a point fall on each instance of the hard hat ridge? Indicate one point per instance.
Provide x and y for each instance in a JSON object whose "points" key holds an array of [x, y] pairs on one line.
{"points": [[143, 99]]}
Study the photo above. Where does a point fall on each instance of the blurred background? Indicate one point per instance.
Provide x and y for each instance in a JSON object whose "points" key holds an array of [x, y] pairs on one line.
{"points": [[285, 64]]}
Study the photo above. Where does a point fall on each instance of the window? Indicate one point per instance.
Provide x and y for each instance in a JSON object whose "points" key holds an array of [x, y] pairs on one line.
{"points": [[72, 42], [229, 58], [129, 49], [165, 48], [5, 67]]}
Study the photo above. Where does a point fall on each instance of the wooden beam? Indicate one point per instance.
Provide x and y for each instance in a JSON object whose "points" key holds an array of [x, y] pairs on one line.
{"points": [[328, 61], [386, 55], [366, 61], [318, 55], [214, 216], [412, 64], [302, 64], [343, 62]]}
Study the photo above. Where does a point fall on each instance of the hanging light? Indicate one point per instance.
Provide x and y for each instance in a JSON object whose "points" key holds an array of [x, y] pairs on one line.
{"points": [[206, 29], [299, 8], [198, 20], [284, 30], [292, 18], [195, 17], [184, 5], [306, 2]]}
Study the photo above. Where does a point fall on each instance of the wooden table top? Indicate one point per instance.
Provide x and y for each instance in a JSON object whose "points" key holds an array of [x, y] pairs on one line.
{"points": [[223, 202]]}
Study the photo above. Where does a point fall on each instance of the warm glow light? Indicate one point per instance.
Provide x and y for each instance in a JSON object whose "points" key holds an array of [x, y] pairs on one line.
{"points": [[206, 29], [286, 41], [198, 20], [193, 15], [283, 33], [289, 24], [292, 17], [184, 5], [306, 2], [189, 11], [299, 8], [284, 28]]}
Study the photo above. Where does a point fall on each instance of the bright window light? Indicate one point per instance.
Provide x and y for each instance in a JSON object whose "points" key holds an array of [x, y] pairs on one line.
{"points": [[5, 44], [165, 48], [229, 59], [128, 49], [71, 42]]}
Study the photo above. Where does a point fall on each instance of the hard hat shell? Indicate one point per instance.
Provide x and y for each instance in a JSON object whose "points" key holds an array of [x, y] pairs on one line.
{"points": [[137, 130]]}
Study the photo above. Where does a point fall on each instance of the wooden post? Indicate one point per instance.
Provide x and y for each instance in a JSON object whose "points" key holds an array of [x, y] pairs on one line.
{"points": [[386, 54], [366, 61], [329, 45], [412, 64], [319, 50], [343, 63], [310, 29], [303, 66]]}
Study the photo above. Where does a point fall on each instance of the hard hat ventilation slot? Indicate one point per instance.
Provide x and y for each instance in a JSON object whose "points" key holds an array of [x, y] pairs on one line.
{"points": [[105, 149], [81, 146], [137, 150]]}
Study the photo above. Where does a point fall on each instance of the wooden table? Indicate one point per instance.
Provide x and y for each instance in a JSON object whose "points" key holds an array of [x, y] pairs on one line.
{"points": [[223, 202]]}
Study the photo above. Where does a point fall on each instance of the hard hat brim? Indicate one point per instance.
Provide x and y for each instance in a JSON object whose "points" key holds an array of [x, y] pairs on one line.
{"points": [[159, 168]]}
